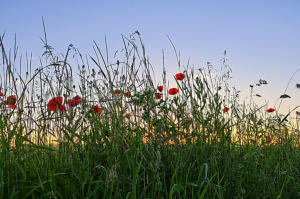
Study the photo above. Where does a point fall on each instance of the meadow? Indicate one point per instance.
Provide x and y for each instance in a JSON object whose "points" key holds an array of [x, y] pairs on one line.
{"points": [[100, 126]]}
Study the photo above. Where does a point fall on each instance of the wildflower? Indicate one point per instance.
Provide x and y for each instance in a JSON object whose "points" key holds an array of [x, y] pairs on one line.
{"points": [[97, 109], [127, 94], [117, 91], [51, 108], [268, 138], [157, 95], [77, 98], [160, 88], [179, 76], [74, 101], [270, 110], [225, 109], [1, 94], [55, 103], [173, 91], [128, 115], [11, 101], [61, 107]]}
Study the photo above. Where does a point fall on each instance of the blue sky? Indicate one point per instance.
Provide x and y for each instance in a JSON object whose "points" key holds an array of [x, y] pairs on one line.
{"points": [[261, 37]]}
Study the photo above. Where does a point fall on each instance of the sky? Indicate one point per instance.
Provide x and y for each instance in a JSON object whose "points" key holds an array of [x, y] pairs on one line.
{"points": [[261, 37]]}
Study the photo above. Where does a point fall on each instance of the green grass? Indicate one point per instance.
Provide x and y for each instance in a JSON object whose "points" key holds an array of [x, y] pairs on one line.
{"points": [[180, 146]]}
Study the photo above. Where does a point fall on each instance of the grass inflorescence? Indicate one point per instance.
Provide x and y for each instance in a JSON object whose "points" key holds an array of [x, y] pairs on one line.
{"points": [[106, 129]]}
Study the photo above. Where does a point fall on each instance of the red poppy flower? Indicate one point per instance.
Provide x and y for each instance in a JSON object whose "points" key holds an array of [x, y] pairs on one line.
{"points": [[268, 138], [173, 91], [117, 91], [55, 103], [97, 109], [270, 110], [1, 94], [74, 101], [225, 109], [157, 95], [128, 115], [61, 107], [51, 108], [11, 101], [160, 88], [127, 94], [180, 76]]}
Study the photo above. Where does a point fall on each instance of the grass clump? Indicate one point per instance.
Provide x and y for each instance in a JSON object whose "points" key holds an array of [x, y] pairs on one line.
{"points": [[108, 130]]}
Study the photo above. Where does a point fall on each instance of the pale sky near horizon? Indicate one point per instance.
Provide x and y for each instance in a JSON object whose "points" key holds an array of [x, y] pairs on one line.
{"points": [[262, 38]]}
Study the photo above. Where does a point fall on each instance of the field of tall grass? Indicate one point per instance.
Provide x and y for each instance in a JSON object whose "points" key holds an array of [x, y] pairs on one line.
{"points": [[99, 126]]}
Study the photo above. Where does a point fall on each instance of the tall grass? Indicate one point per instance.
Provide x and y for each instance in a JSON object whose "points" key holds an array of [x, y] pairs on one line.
{"points": [[179, 146]]}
